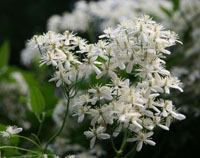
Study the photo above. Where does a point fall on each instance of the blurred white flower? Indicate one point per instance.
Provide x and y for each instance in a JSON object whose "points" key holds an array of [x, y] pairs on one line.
{"points": [[10, 131], [142, 138], [93, 134]]}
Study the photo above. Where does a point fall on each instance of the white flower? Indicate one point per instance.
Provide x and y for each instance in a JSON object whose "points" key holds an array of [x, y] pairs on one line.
{"points": [[48, 58], [142, 138], [11, 130], [101, 114], [61, 76], [169, 108], [107, 68], [70, 156], [80, 111], [100, 93], [96, 133], [45, 156], [91, 65]]}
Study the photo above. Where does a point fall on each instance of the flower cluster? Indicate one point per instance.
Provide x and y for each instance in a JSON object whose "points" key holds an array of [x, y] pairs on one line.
{"points": [[105, 13], [97, 15], [135, 105]]}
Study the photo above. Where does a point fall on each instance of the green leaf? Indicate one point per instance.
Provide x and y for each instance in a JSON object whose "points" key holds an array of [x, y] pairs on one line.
{"points": [[23, 99], [2, 127], [10, 152], [30, 79], [37, 100], [176, 4], [4, 54], [13, 140], [48, 89], [166, 11]]}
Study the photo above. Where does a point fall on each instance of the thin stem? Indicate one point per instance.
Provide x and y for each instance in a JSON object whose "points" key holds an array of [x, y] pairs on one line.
{"points": [[41, 124], [39, 50], [121, 150], [113, 144], [18, 148], [30, 140], [39, 129], [37, 139], [91, 34], [25, 156], [131, 153], [60, 130]]}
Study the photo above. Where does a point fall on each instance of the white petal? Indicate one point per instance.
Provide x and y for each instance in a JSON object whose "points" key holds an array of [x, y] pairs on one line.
{"points": [[167, 90], [112, 74], [92, 91], [149, 134], [180, 117], [92, 142], [166, 51], [100, 75], [107, 96], [54, 63], [139, 146], [129, 67], [121, 65], [103, 136], [117, 131], [163, 127], [150, 142], [96, 69], [18, 130], [137, 124], [58, 83], [80, 118], [132, 139], [100, 129], [88, 134]]}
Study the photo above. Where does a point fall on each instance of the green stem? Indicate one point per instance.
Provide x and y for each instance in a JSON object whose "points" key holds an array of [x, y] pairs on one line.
{"points": [[60, 130], [123, 146], [25, 156], [91, 34], [37, 139], [18, 148], [39, 129], [30, 140], [113, 144], [131, 153]]}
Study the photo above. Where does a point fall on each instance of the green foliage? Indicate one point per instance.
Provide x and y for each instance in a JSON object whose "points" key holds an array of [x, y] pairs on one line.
{"points": [[48, 91], [30, 79], [166, 11], [4, 54], [11, 152], [2, 127], [42, 98], [176, 4], [37, 100], [23, 99]]}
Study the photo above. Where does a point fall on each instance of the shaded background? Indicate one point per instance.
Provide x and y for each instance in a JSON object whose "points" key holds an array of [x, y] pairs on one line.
{"points": [[21, 19]]}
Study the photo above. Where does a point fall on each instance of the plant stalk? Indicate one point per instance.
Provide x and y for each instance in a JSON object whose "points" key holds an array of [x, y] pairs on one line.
{"points": [[60, 130]]}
